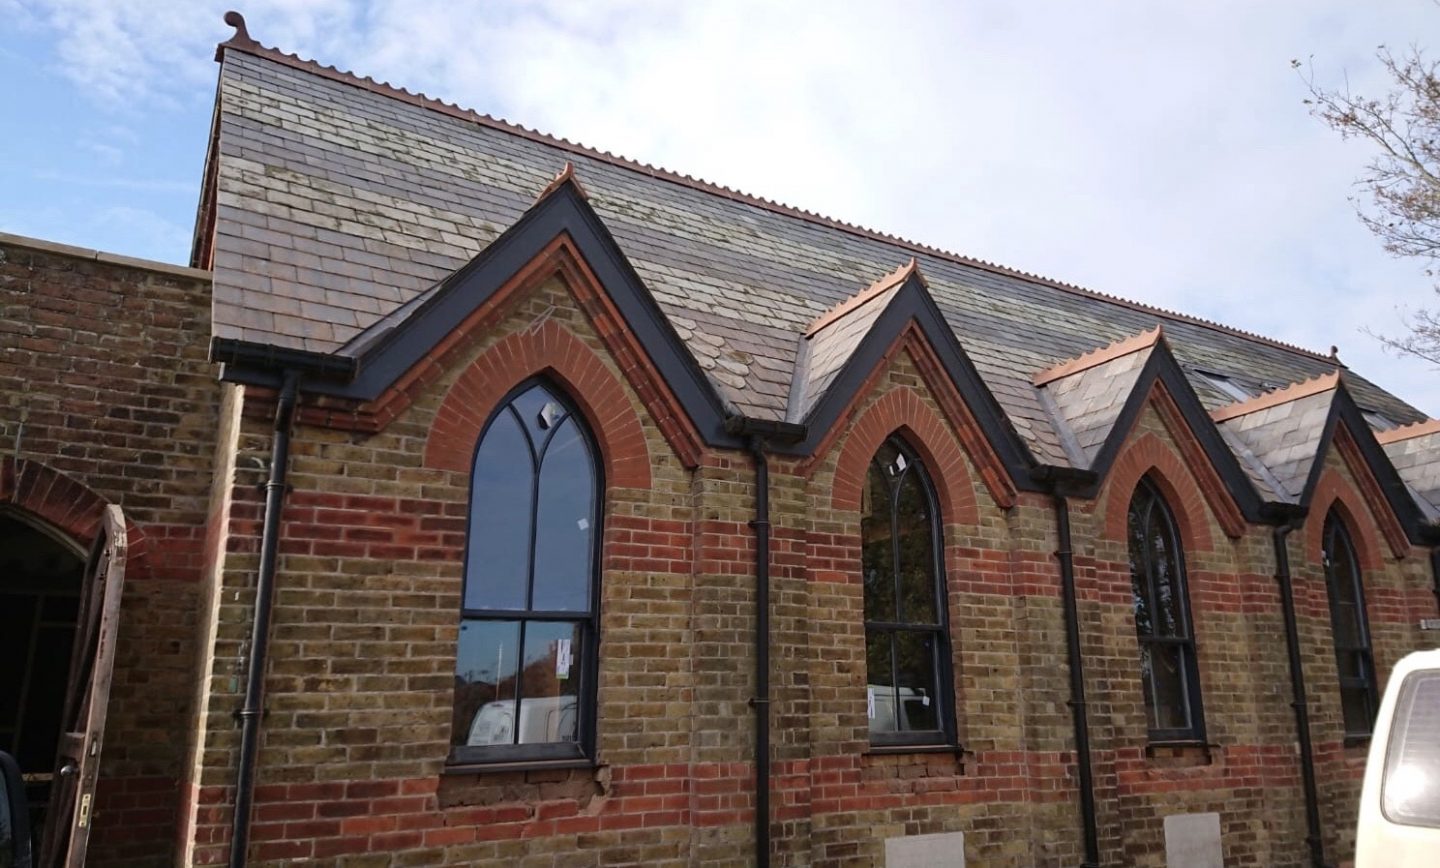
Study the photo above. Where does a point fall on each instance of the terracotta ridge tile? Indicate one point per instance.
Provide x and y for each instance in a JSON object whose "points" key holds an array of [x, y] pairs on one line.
{"points": [[859, 299], [242, 41], [1284, 395], [564, 175], [1097, 357], [1408, 432]]}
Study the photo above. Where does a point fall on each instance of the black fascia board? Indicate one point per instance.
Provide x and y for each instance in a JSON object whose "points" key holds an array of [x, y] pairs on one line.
{"points": [[913, 303], [1162, 366], [564, 211], [1344, 409]]}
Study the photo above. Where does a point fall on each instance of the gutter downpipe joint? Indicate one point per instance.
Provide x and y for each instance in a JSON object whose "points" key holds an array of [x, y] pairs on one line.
{"points": [[761, 701], [251, 711], [758, 434], [1297, 680], [1063, 480]]}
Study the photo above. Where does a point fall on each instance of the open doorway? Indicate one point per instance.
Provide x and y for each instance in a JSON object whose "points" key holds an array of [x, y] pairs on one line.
{"points": [[41, 573]]}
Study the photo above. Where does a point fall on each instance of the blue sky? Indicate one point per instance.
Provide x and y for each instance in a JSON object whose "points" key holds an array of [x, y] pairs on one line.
{"points": [[1159, 152]]}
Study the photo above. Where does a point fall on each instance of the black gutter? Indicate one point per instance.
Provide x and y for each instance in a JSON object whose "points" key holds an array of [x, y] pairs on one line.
{"points": [[250, 713], [757, 434], [1297, 681], [266, 357], [1061, 481]]}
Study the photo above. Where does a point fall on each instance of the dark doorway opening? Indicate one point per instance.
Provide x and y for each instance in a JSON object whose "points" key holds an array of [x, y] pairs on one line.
{"points": [[40, 579]]}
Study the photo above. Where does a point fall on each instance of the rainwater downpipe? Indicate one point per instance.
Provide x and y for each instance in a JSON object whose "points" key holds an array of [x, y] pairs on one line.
{"points": [[1065, 553], [1299, 703], [761, 700], [251, 711]]}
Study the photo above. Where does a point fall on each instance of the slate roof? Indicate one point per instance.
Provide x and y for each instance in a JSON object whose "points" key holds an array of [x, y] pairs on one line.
{"points": [[338, 201], [1415, 452], [1088, 393], [1284, 436]]}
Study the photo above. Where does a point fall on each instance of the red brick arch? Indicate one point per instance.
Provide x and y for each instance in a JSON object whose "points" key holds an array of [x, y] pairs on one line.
{"points": [[1149, 455], [1333, 492], [554, 352], [61, 502], [902, 410]]}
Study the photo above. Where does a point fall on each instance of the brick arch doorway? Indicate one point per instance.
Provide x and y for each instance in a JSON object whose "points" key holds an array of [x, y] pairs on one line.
{"points": [[42, 573]]}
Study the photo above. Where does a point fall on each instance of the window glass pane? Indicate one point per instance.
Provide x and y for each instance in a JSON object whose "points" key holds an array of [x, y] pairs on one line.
{"points": [[1162, 667], [917, 553], [1139, 569], [1410, 793], [1351, 664], [877, 555], [1169, 618], [919, 688], [496, 575], [1342, 575], [485, 682], [880, 686], [564, 523], [550, 683], [1346, 620], [532, 409], [1355, 705]]}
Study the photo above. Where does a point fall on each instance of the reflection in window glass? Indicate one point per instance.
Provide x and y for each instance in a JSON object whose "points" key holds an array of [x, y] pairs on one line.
{"points": [[485, 676], [501, 493], [528, 628], [906, 652], [1168, 672], [1359, 699], [1410, 792], [564, 523]]}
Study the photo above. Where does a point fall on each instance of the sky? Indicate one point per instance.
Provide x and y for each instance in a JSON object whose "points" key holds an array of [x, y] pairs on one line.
{"points": [[1157, 151]]}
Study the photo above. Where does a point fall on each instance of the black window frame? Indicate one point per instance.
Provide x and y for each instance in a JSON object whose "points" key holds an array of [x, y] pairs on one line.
{"points": [[582, 750], [1157, 508], [946, 735], [1366, 685]]}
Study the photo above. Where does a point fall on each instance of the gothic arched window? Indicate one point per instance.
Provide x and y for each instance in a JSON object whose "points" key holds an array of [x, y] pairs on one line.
{"points": [[526, 665], [1168, 667], [1353, 657], [907, 648]]}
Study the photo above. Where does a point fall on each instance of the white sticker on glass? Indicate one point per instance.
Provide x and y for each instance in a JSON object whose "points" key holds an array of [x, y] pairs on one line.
{"points": [[870, 702], [562, 659], [584, 524]]}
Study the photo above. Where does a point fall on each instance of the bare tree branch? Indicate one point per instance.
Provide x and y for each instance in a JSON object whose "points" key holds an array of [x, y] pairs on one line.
{"points": [[1402, 181]]}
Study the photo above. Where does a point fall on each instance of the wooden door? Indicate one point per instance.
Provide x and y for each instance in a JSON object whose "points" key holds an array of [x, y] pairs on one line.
{"points": [[87, 698]]}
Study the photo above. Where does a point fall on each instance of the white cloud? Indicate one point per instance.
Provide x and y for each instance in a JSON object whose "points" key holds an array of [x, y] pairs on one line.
{"points": [[1155, 151]]}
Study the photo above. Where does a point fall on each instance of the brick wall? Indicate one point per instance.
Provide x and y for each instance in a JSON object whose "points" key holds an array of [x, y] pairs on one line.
{"points": [[106, 397], [353, 748]]}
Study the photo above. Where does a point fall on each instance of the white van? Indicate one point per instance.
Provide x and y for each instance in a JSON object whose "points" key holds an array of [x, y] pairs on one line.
{"points": [[1399, 821], [543, 719]]}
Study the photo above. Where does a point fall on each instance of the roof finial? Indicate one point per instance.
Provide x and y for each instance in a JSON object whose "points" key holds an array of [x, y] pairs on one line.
{"points": [[242, 35]]}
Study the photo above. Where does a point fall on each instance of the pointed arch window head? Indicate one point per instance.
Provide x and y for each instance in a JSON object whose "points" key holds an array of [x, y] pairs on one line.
{"points": [[1354, 659], [526, 664], [1168, 669], [907, 649]]}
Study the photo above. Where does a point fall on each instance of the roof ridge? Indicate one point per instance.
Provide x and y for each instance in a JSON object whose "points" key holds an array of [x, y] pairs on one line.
{"points": [[864, 296], [1099, 356], [242, 41], [1283, 395], [1408, 432]]}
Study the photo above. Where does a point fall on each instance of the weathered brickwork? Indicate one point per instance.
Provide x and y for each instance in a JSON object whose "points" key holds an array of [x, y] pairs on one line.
{"points": [[360, 681], [106, 397]]}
